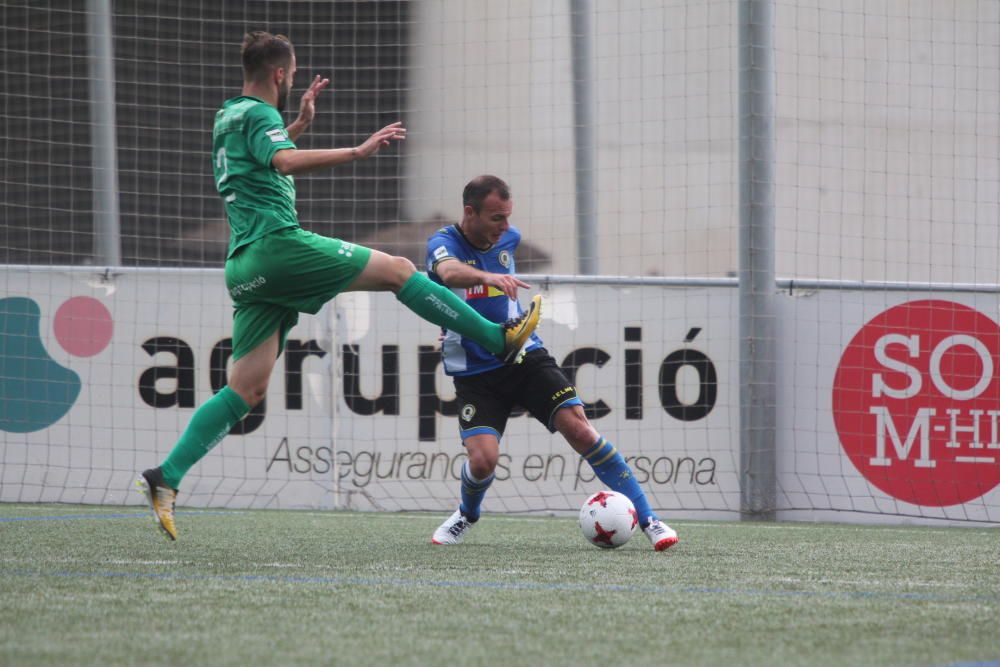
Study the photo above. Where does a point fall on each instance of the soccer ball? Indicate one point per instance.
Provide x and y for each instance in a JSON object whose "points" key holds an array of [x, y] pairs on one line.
{"points": [[608, 519]]}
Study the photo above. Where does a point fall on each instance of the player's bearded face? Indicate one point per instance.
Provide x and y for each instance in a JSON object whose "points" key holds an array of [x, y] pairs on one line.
{"points": [[284, 90]]}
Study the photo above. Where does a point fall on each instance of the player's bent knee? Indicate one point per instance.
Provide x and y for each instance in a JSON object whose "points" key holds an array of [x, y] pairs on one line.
{"points": [[402, 270], [252, 394], [257, 395], [482, 469], [253, 399], [482, 464]]}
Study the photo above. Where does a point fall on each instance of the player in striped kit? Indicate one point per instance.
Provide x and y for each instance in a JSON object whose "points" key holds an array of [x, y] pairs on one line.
{"points": [[476, 257]]}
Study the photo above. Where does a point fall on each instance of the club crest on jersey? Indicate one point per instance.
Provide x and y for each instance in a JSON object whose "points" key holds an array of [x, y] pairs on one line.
{"points": [[504, 258], [468, 412]]}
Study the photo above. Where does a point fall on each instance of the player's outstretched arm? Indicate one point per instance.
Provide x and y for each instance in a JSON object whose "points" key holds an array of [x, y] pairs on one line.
{"points": [[454, 273], [291, 161], [307, 108]]}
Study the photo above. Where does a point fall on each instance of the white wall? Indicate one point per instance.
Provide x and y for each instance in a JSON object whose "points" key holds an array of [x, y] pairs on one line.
{"points": [[888, 132], [492, 93]]}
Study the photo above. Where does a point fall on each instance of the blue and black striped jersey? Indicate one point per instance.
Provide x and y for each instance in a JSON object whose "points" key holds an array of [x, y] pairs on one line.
{"points": [[463, 356]]}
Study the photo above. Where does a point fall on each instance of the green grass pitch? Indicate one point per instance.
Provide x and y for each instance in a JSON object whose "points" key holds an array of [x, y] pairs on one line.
{"points": [[99, 586]]}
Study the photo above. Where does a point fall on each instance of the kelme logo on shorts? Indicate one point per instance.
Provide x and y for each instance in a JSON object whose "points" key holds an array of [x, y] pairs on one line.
{"points": [[468, 412], [35, 391]]}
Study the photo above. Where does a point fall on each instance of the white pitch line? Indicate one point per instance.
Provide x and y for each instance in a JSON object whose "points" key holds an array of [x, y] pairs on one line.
{"points": [[133, 561], [722, 524], [868, 582]]}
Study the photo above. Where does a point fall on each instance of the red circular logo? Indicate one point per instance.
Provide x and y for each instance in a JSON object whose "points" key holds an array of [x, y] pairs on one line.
{"points": [[916, 402]]}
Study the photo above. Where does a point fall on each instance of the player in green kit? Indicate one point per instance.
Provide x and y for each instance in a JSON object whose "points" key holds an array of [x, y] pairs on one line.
{"points": [[275, 269]]}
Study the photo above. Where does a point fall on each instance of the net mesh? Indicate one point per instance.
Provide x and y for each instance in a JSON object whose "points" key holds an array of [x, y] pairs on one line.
{"points": [[886, 163]]}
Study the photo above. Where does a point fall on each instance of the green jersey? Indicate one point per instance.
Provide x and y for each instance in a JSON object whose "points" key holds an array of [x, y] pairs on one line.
{"points": [[248, 132]]}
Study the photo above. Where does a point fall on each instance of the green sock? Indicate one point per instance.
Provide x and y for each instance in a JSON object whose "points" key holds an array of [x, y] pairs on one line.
{"points": [[439, 305], [209, 425]]}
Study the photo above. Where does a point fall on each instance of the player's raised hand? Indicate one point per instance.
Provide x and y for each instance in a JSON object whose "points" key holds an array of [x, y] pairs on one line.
{"points": [[506, 283], [381, 139], [307, 107]]}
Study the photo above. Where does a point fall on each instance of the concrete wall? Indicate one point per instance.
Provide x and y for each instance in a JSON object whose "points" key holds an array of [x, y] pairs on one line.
{"points": [[887, 145]]}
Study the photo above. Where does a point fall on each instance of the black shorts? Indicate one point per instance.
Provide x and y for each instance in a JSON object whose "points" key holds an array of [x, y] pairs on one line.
{"points": [[537, 384]]}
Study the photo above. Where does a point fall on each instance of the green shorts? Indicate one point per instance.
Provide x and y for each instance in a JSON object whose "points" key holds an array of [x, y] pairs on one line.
{"points": [[287, 272]]}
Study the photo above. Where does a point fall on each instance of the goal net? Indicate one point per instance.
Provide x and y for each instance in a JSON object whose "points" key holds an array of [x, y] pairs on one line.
{"points": [[887, 117]]}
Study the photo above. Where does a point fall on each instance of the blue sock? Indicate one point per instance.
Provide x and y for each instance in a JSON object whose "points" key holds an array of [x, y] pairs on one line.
{"points": [[616, 474], [473, 491]]}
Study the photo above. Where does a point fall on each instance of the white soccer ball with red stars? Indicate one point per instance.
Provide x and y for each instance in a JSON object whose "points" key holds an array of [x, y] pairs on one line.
{"points": [[608, 519]]}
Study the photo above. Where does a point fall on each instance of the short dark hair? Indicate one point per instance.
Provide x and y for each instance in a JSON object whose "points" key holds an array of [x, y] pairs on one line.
{"points": [[479, 188], [262, 51]]}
